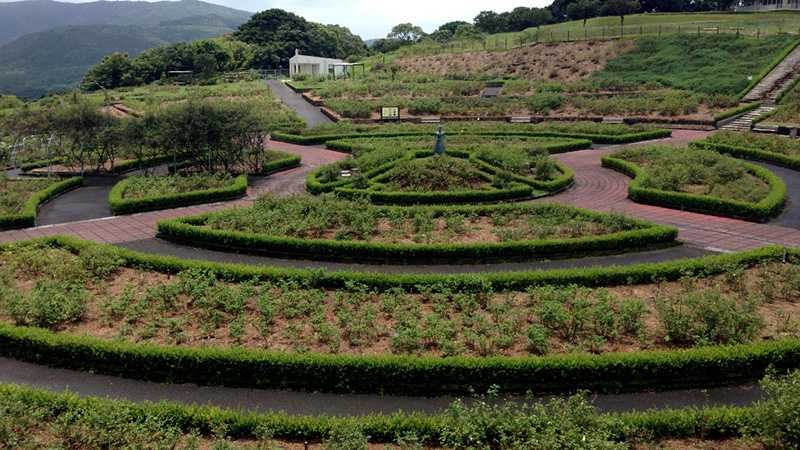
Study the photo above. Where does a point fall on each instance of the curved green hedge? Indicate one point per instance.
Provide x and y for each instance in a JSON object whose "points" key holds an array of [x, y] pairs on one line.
{"points": [[777, 60], [706, 423], [27, 217], [342, 145], [595, 138], [238, 367], [754, 154], [738, 110], [290, 162], [769, 206], [517, 192], [412, 375], [190, 230], [120, 205]]}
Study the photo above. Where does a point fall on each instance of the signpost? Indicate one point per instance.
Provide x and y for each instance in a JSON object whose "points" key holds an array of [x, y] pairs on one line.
{"points": [[390, 113]]}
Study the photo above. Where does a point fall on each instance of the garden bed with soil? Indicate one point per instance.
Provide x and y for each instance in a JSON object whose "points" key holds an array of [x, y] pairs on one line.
{"points": [[148, 193], [781, 150], [20, 198], [330, 228], [700, 180]]}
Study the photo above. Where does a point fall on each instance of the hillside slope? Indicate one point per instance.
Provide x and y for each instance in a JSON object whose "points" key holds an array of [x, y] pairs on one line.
{"points": [[20, 18]]}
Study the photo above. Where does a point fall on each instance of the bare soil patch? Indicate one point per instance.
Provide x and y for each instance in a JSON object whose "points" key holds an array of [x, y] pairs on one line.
{"points": [[567, 61]]}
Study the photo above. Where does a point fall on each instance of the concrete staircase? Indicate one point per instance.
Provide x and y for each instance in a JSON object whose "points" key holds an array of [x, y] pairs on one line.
{"points": [[745, 122], [769, 89]]}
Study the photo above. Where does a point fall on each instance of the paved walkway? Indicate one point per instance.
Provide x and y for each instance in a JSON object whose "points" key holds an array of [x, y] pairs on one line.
{"points": [[310, 113], [595, 188], [315, 403]]}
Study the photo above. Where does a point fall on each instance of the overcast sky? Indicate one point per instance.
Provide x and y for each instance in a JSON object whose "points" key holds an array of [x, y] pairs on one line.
{"points": [[374, 18]]}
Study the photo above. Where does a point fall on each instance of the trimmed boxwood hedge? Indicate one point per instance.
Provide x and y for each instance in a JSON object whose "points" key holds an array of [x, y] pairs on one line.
{"points": [[706, 423], [238, 367], [27, 217], [768, 207], [755, 154], [290, 161], [120, 205], [733, 112], [595, 138], [568, 145], [190, 230]]}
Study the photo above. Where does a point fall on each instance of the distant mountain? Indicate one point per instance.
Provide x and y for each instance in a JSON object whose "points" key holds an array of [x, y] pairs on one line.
{"points": [[20, 18], [56, 58]]}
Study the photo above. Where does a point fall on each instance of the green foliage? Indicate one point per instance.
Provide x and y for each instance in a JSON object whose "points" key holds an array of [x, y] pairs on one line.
{"points": [[137, 194], [49, 305], [700, 180], [708, 317], [776, 421], [711, 64], [14, 213]]}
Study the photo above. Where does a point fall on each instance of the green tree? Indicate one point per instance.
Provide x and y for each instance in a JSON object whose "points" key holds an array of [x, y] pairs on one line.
{"points": [[583, 10], [406, 33], [620, 8], [113, 71]]}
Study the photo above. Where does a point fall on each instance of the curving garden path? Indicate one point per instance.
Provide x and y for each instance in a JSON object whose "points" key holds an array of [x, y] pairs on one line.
{"points": [[595, 188]]}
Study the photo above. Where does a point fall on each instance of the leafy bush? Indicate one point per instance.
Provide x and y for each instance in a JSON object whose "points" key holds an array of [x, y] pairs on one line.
{"points": [[560, 424], [776, 419], [425, 106], [708, 317], [49, 305]]}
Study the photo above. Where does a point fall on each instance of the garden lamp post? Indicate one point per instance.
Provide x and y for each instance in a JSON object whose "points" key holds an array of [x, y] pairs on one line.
{"points": [[439, 149]]}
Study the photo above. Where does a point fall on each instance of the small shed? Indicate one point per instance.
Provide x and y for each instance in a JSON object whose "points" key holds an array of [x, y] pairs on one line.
{"points": [[315, 66]]}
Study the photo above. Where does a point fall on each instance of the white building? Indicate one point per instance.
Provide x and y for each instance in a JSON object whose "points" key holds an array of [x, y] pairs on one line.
{"points": [[315, 66]]}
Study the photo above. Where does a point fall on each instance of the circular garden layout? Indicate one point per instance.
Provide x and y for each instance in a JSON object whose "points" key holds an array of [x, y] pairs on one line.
{"points": [[715, 320]]}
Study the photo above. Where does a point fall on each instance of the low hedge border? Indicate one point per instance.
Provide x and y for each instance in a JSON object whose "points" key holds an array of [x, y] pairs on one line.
{"points": [[569, 144], [553, 186], [190, 230], [595, 138], [289, 162], [768, 207], [402, 375], [120, 205], [39, 164], [777, 60], [236, 367], [753, 154], [706, 423], [736, 111], [27, 218]]}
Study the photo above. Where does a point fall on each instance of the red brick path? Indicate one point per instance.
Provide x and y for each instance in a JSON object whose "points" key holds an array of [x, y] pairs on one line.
{"points": [[595, 188]]}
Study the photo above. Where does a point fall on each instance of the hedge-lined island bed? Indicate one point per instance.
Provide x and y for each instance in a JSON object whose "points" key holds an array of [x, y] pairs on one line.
{"points": [[20, 198], [781, 150], [599, 133], [148, 193], [699, 179], [475, 168], [91, 293], [327, 227]]}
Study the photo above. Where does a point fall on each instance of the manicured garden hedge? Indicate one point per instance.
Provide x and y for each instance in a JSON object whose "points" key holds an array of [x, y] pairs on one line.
{"points": [[707, 423], [342, 145], [411, 375], [120, 205], [27, 217], [190, 230], [407, 374], [768, 207], [516, 192], [754, 154], [595, 138], [290, 162]]}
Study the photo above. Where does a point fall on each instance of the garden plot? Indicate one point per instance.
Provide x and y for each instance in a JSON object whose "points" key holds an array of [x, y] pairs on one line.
{"points": [[91, 293], [329, 228]]}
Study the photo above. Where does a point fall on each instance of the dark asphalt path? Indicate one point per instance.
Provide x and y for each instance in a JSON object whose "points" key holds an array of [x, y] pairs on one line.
{"points": [[305, 403], [161, 247], [85, 203], [310, 113], [790, 217]]}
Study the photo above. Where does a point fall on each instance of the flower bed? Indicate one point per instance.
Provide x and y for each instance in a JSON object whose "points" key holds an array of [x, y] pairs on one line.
{"points": [[139, 194], [700, 180], [780, 150], [21, 199], [332, 229]]}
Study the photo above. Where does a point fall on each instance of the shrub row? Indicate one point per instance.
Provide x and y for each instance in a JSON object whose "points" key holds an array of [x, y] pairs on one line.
{"points": [[595, 138], [290, 162], [557, 184], [516, 192], [754, 154], [27, 217], [190, 230], [408, 375], [733, 112], [768, 207], [342, 145], [778, 59], [518, 281], [708, 423], [121, 205], [39, 164]]}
